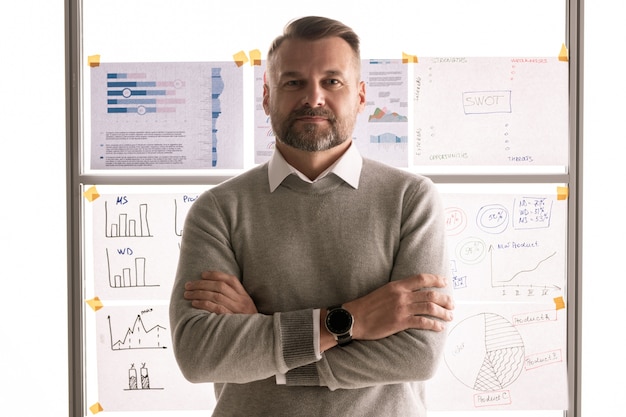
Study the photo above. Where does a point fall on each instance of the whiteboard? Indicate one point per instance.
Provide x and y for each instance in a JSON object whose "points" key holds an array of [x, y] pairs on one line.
{"points": [[195, 31], [507, 248]]}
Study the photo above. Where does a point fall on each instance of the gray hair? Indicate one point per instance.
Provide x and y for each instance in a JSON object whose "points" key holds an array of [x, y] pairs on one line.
{"points": [[313, 28]]}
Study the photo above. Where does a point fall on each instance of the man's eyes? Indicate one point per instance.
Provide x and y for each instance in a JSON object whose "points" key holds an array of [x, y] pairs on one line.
{"points": [[291, 85], [329, 83], [333, 82]]}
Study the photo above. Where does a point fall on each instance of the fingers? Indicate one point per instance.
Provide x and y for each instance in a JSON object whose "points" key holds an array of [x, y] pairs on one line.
{"points": [[425, 323], [437, 310], [230, 280], [419, 281], [429, 308], [217, 290], [419, 295], [208, 296], [219, 293], [420, 304], [431, 302]]}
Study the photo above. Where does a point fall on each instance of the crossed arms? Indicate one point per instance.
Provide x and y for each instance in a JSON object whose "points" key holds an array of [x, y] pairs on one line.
{"points": [[410, 303]]}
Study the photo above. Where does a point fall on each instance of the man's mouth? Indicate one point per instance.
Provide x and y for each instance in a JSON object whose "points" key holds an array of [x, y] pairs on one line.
{"points": [[309, 115], [312, 119]]}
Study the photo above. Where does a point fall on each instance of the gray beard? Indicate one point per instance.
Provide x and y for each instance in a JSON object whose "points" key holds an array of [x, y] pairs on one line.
{"points": [[310, 140]]}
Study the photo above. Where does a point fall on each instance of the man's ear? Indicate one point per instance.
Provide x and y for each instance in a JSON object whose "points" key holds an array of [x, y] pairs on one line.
{"points": [[361, 94], [266, 99]]}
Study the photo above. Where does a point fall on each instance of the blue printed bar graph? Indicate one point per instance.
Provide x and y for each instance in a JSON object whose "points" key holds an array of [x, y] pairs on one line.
{"points": [[127, 93], [128, 84], [132, 101], [133, 93], [138, 110], [125, 75]]}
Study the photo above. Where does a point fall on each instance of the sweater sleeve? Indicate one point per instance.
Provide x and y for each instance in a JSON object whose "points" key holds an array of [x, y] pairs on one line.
{"points": [[220, 348], [411, 355]]}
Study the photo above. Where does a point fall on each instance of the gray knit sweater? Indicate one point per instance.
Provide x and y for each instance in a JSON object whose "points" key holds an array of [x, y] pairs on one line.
{"points": [[302, 247]]}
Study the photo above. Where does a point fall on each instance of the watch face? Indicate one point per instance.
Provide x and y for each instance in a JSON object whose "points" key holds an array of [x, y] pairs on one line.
{"points": [[339, 321]]}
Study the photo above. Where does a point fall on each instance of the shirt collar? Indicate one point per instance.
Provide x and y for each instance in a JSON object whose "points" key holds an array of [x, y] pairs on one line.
{"points": [[347, 167]]}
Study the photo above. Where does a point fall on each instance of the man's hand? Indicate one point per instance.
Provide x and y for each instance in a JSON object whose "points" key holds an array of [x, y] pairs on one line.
{"points": [[219, 293], [411, 303]]}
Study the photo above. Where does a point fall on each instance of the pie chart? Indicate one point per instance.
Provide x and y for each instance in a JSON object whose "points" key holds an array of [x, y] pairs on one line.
{"points": [[485, 352]]}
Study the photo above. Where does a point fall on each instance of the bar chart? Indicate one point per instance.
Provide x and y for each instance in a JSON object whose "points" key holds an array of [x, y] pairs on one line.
{"points": [[128, 277], [123, 225]]}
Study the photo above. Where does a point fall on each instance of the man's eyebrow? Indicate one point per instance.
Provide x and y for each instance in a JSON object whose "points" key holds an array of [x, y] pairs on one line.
{"points": [[290, 74], [335, 73], [298, 74]]}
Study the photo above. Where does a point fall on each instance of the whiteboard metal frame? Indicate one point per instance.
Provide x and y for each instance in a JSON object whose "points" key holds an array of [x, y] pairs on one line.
{"points": [[74, 180]]}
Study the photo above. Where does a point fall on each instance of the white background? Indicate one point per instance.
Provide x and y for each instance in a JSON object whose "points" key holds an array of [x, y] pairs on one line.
{"points": [[33, 295]]}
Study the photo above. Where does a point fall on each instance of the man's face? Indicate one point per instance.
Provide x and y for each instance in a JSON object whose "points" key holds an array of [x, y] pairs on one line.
{"points": [[313, 93]]}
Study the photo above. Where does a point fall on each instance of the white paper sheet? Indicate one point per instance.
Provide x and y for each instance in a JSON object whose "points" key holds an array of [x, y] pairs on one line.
{"points": [[510, 112], [167, 116], [507, 345]]}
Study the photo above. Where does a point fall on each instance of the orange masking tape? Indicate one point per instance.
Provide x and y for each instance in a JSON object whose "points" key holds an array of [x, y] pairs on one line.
{"points": [[240, 58], [91, 194], [93, 60], [409, 59], [95, 304], [96, 408], [559, 303], [255, 57], [563, 55]]}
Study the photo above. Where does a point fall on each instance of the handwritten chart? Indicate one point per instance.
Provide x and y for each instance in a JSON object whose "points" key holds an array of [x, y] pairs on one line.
{"points": [[506, 247], [506, 112], [137, 370], [507, 254], [135, 242]]}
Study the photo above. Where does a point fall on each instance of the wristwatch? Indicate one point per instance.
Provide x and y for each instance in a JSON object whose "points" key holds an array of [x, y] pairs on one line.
{"points": [[339, 323]]}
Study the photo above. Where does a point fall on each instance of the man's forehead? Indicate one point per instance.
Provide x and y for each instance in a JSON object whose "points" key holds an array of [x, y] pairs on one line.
{"points": [[304, 46], [296, 73], [332, 56]]}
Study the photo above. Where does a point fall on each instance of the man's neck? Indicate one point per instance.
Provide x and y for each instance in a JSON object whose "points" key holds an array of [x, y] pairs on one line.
{"points": [[312, 164]]}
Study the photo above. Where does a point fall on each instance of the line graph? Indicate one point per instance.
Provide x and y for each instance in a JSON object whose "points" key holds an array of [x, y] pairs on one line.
{"points": [[137, 336], [526, 274], [526, 271]]}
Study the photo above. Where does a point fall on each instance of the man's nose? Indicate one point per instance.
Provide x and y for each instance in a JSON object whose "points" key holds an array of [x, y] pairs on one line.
{"points": [[313, 95]]}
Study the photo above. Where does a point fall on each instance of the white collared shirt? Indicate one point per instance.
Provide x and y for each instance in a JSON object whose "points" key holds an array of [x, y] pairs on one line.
{"points": [[347, 167]]}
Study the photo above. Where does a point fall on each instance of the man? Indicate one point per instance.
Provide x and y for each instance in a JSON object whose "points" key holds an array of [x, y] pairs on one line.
{"points": [[314, 285]]}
